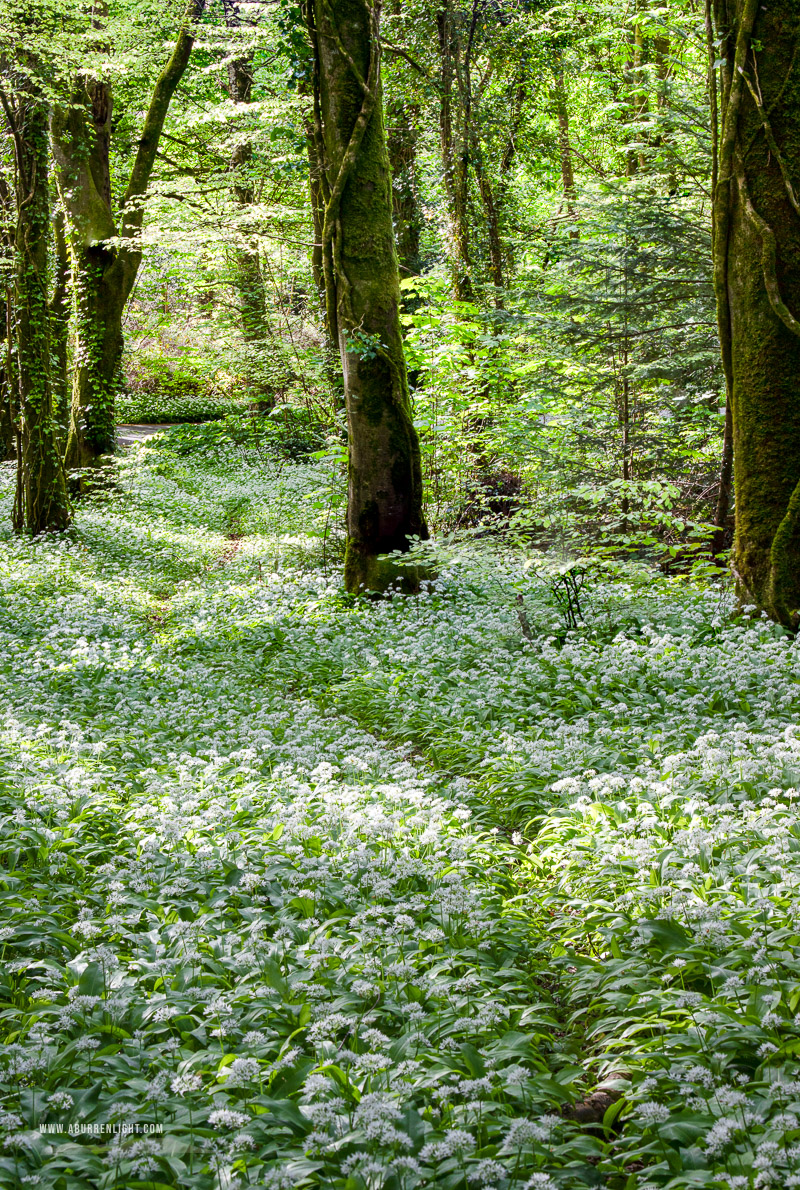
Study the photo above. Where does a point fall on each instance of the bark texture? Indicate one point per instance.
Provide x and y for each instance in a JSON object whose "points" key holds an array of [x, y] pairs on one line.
{"points": [[104, 244], [41, 496], [384, 505], [757, 281], [247, 276]]}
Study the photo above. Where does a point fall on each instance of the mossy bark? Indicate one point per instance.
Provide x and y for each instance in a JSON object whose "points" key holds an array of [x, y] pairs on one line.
{"points": [[384, 507], [248, 280], [102, 272], [105, 243], [757, 277], [490, 207], [41, 502], [316, 194]]}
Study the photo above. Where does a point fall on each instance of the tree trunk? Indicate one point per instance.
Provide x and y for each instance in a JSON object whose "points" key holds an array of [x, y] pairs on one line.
{"points": [[8, 385], [101, 285], [724, 493], [757, 281], [41, 498], [726, 462], [384, 501], [402, 137], [641, 100], [565, 148], [59, 328], [317, 196], [247, 277], [635, 97], [317, 200], [517, 97], [490, 209], [105, 256], [101, 282], [455, 160]]}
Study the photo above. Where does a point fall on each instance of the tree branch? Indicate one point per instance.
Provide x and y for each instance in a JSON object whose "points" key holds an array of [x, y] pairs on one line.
{"points": [[164, 89], [399, 52], [769, 259], [755, 91]]}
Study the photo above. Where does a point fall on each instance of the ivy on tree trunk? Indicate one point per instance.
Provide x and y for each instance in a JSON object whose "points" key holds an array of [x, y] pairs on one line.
{"points": [[41, 501]]}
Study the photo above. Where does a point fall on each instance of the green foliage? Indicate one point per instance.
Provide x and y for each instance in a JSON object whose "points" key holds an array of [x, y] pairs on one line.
{"points": [[158, 390], [286, 433]]}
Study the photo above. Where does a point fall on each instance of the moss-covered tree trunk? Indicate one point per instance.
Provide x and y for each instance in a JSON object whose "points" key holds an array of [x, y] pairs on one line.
{"points": [[248, 279], [41, 496], [316, 194], [757, 280], [491, 211], [384, 505], [105, 242], [103, 271]]}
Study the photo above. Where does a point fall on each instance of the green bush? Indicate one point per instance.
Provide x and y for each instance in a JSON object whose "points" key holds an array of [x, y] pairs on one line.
{"points": [[286, 432], [160, 390]]}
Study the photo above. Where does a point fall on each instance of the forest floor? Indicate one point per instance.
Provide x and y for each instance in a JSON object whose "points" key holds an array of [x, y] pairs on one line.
{"points": [[132, 434], [301, 890]]}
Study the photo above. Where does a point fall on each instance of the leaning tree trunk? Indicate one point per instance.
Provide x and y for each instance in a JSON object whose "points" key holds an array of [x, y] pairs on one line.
{"points": [[384, 502], [41, 497], [757, 281]]}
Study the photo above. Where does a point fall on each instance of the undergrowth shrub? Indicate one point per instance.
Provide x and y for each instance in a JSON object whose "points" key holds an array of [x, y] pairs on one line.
{"points": [[159, 390]]}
